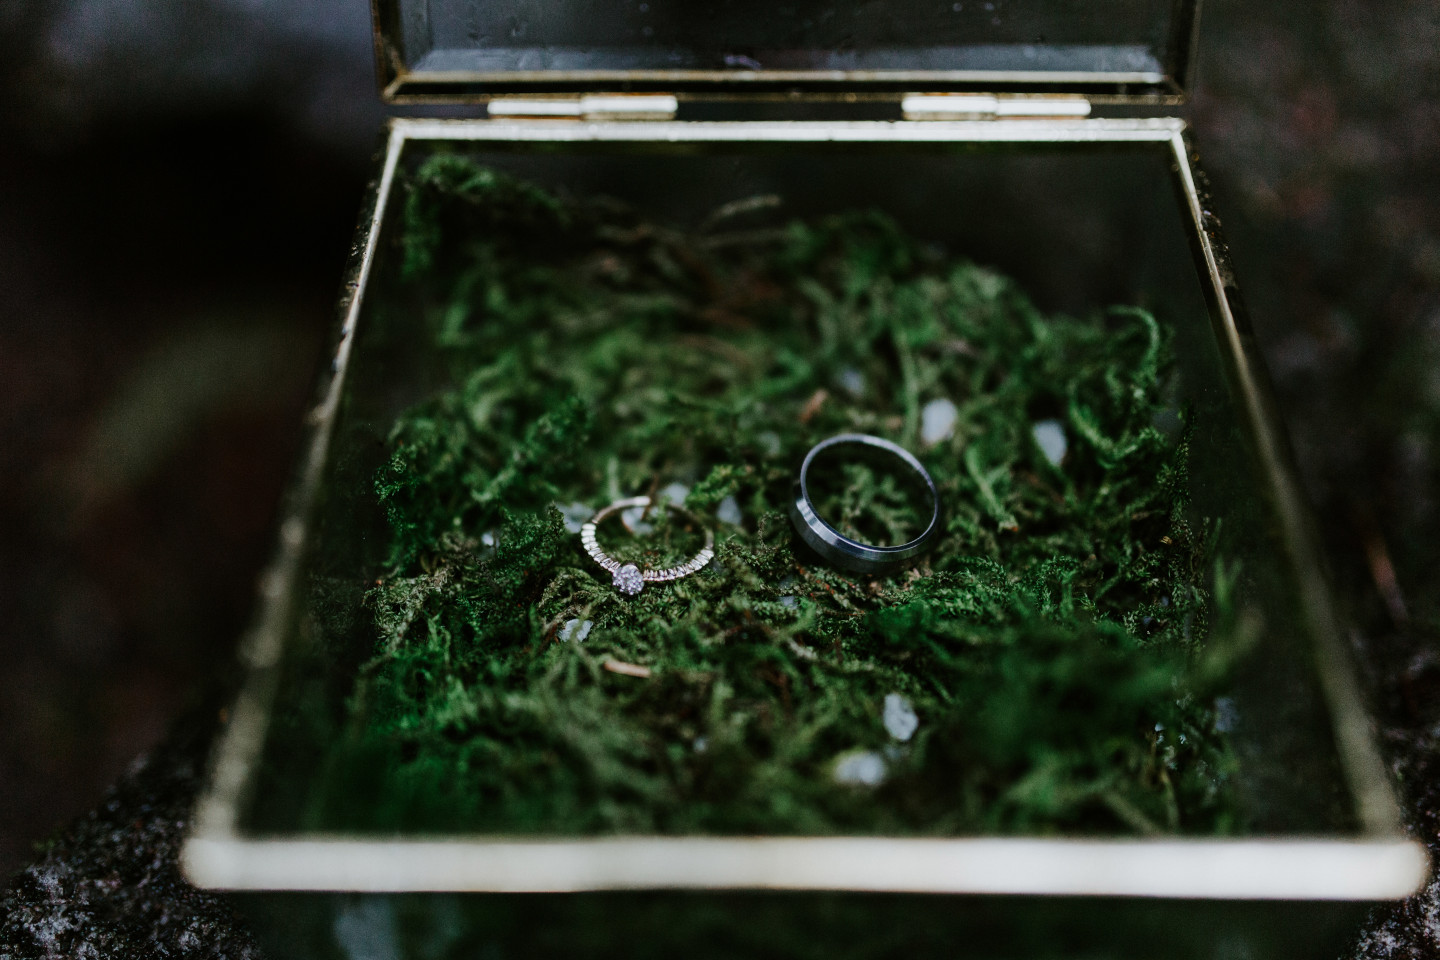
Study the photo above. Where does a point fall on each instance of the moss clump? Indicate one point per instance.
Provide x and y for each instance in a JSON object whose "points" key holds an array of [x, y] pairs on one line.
{"points": [[1058, 647]]}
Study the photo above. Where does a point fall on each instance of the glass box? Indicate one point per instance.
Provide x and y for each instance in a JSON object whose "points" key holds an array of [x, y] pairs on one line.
{"points": [[677, 113]]}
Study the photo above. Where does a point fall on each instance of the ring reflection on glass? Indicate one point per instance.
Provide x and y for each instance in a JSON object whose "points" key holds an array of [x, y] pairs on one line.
{"points": [[846, 552]]}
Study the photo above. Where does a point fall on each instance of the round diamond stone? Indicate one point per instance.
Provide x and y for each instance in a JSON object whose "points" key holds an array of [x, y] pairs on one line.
{"points": [[628, 580]]}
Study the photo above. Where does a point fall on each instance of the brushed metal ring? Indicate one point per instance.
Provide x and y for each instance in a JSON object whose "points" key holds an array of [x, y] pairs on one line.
{"points": [[845, 552]]}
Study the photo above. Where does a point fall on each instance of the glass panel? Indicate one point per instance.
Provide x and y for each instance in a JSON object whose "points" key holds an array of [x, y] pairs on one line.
{"points": [[722, 926], [1078, 226], [1076, 41]]}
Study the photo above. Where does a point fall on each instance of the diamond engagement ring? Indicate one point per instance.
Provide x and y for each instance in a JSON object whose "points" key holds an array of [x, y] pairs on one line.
{"points": [[845, 552], [628, 578]]}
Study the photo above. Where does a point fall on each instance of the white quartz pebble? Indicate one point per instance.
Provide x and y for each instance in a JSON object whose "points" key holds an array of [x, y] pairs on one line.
{"points": [[674, 493], [900, 718], [729, 512], [852, 381], [575, 515], [864, 768], [1226, 714], [634, 521], [366, 928], [1168, 421], [1050, 437], [576, 630], [937, 421]]}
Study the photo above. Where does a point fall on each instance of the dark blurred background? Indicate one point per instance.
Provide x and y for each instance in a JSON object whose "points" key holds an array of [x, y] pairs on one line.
{"points": [[178, 184]]}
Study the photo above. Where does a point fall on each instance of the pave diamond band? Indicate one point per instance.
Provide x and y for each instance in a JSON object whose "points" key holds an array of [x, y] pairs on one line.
{"points": [[628, 578]]}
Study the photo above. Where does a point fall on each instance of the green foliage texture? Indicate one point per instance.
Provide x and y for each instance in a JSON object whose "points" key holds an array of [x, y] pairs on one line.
{"points": [[1061, 646]]}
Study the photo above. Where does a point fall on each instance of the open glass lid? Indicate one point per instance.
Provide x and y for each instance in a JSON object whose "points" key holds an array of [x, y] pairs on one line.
{"points": [[471, 50]]}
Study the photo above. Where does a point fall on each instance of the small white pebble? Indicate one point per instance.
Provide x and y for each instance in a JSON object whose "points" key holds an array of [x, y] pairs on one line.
{"points": [[900, 718], [790, 602], [1050, 437], [576, 630], [674, 493], [1167, 421], [937, 421], [366, 928], [1226, 716], [575, 515], [800, 650], [634, 518], [864, 768], [769, 442], [729, 512], [633, 522], [852, 381]]}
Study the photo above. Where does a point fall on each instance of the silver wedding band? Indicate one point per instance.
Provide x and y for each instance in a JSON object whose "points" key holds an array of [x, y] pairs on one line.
{"points": [[845, 552]]}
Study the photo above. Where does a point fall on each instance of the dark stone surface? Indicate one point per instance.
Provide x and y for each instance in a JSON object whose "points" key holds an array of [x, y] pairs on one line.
{"points": [[181, 178], [110, 885]]}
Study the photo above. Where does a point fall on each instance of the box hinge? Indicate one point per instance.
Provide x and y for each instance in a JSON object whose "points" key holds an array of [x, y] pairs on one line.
{"points": [[598, 107], [922, 106]]}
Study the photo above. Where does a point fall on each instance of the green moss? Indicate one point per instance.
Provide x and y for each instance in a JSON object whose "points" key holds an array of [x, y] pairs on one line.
{"points": [[1060, 646]]}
